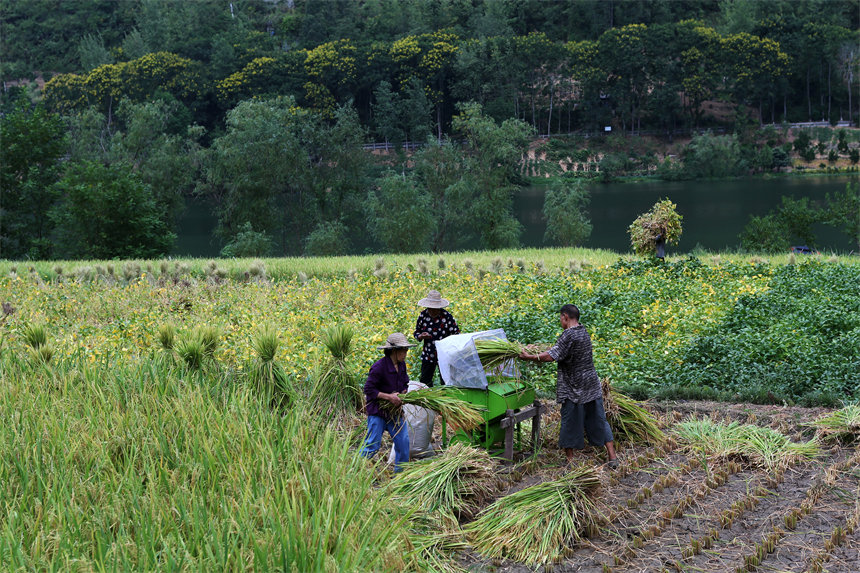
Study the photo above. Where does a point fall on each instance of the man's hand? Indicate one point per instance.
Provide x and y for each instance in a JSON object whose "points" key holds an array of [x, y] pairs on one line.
{"points": [[526, 355]]}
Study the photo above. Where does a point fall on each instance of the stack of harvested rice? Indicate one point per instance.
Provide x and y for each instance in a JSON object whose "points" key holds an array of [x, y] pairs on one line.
{"points": [[760, 447], [496, 353], [841, 425], [629, 420], [457, 412], [539, 524]]}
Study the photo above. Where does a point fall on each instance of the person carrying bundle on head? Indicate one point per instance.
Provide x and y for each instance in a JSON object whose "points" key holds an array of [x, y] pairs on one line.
{"points": [[578, 388], [434, 323], [386, 380]]}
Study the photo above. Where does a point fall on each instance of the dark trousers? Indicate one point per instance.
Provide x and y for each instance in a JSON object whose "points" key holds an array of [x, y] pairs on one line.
{"points": [[428, 369]]}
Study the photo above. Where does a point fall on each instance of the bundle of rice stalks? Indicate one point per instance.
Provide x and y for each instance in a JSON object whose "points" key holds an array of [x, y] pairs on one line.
{"points": [[338, 340], [453, 484], [761, 447], [456, 412], [496, 353], [628, 419], [266, 375], [336, 389], [539, 524], [166, 336], [841, 425]]}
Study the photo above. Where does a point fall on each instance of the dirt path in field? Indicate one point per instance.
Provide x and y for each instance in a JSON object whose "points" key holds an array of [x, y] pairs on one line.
{"points": [[669, 511]]}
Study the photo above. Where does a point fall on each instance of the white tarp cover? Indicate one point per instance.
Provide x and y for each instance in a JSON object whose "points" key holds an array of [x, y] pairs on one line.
{"points": [[459, 364]]}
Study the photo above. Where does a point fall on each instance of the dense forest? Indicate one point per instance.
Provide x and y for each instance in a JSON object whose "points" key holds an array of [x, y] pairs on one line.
{"points": [[115, 112]]}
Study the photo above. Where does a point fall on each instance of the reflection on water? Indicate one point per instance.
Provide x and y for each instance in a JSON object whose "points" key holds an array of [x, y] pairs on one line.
{"points": [[714, 212]]}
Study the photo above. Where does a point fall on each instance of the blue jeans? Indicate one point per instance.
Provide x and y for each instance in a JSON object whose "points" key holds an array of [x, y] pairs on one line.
{"points": [[398, 432]]}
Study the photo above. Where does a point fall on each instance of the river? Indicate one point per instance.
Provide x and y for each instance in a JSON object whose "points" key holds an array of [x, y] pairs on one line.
{"points": [[714, 212]]}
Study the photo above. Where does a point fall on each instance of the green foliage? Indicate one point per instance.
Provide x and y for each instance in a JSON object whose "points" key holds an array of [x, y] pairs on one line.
{"points": [[711, 155], [800, 336], [842, 210], [791, 223], [661, 221], [106, 212], [399, 214], [494, 152], [248, 243], [766, 234], [329, 238], [33, 141], [564, 208]]}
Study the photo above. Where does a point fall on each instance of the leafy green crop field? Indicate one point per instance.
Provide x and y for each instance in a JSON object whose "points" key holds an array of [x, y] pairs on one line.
{"points": [[118, 454]]}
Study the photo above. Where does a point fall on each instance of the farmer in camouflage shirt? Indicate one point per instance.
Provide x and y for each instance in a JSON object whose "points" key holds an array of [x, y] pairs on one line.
{"points": [[578, 388]]}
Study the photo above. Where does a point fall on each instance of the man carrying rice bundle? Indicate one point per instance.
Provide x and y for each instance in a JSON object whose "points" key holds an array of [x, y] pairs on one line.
{"points": [[385, 381], [578, 388]]}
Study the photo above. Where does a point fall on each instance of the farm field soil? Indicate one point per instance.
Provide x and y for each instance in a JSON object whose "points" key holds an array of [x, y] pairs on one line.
{"points": [[669, 510]]}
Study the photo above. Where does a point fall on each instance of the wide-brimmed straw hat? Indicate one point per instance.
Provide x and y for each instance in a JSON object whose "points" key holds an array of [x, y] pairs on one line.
{"points": [[433, 300], [396, 340]]}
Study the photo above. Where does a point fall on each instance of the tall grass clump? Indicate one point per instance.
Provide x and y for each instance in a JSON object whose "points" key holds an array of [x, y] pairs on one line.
{"points": [[628, 419], [35, 335], [842, 425], [167, 336], [191, 350], [337, 390], [755, 445], [266, 374], [133, 469], [541, 523]]}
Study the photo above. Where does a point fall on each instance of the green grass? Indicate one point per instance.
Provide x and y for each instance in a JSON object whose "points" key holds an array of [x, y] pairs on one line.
{"points": [[121, 466]]}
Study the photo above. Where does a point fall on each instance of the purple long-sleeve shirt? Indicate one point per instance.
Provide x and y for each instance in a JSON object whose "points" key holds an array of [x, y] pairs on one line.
{"points": [[384, 378]]}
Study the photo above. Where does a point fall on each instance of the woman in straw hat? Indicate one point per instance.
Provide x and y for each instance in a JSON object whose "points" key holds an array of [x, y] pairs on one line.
{"points": [[434, 323], [387, 378]]}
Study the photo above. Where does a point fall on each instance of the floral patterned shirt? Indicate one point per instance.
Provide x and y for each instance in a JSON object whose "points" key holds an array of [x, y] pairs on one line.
{"points": [[440, 327]]}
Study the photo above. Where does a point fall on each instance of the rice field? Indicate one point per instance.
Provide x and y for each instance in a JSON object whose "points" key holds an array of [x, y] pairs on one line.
{"points": [[169, 418]]}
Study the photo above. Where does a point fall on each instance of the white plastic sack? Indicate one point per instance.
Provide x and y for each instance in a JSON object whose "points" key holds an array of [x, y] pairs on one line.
{"points": [[420, 423], [459, 364]]}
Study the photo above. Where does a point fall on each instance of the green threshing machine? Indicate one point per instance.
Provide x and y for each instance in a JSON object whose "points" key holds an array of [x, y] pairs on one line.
{"points": [[504, 399]]}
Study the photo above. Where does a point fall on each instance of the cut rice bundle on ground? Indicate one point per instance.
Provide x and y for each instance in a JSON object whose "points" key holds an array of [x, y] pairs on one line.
{"points": [[760, 447], [539, 524], [456, 482], [627, 417], [842, 425], [456, 412]]}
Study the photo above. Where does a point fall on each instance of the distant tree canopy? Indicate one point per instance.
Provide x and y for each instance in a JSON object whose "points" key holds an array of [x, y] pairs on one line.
{"points": [[558, 66], [260, 108]]}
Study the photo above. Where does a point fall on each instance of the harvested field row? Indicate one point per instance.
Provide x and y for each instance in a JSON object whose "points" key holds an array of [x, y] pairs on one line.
{"points": [[666, 509]]}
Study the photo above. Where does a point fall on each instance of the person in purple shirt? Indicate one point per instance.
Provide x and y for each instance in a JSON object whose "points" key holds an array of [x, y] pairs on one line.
{"points": [[387, 378]]}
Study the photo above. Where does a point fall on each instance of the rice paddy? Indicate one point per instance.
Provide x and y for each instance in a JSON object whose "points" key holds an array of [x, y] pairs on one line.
{"points": [[178, 422]]}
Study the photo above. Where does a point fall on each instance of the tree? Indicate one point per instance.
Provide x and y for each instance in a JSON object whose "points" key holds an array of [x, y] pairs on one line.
{"points": [[386, 114], [494, 152], [442, 169], [106, 211], [790, 223], [248, 243], [765, 234], [256, 166], [399, 214], [33, 142], [710, 155], [842, 210], [564, 208]]}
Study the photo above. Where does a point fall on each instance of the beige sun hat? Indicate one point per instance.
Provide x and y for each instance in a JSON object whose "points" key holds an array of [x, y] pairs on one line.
{"points": [[433, 300], [396, 340]]}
